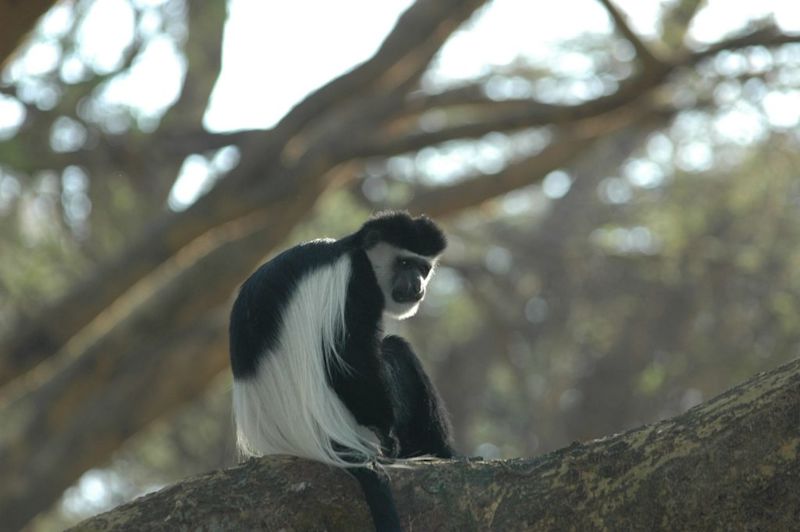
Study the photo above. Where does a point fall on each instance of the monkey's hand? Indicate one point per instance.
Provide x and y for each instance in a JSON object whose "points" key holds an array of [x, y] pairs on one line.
{"points": [[390, 444]]}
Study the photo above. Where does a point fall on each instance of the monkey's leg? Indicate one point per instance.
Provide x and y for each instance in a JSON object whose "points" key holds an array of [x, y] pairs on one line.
{"points": [[421, 421]]}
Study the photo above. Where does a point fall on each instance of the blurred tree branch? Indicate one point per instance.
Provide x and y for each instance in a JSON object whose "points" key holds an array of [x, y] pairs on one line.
{"points": [[646, 57], [729, 463], [676, 20], [769, 36], [17, 19]]}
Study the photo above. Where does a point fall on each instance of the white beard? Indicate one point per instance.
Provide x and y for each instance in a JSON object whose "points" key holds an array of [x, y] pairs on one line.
{"points": [[382, 257]]}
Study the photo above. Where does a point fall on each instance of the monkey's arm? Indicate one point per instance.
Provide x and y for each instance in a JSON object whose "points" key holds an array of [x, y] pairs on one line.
{"points": [[363, 384], [364, 390], [421, 421]]}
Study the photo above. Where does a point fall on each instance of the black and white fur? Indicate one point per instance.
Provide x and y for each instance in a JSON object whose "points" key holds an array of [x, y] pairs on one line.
{"points": [[314, 375]]}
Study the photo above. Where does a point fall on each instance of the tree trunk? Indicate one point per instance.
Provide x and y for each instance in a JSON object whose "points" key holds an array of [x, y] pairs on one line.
{"points": [[16, 20], [728, 464]]}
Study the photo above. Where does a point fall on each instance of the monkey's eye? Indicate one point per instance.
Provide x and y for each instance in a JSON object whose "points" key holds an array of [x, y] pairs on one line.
{"points": [[420, 266]]}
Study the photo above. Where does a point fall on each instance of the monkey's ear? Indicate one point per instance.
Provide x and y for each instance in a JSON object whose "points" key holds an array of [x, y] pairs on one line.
{"points": [[371, 238]]}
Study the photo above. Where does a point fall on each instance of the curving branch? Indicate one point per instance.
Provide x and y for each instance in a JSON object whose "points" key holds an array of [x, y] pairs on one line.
{"points": [[475, 190], [203, 53], [676, 19], [770, 37], [730, 463], [566, 147], [500, 116], [408, 44], [18, 19], [509, 115], [647, 58]]}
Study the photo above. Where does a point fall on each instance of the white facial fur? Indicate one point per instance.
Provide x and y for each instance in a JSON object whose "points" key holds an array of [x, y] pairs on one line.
{"points": [[382, 257]]}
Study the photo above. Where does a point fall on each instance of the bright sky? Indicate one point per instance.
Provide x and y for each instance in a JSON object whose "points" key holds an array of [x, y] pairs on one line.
{"points": [[275, 54]]}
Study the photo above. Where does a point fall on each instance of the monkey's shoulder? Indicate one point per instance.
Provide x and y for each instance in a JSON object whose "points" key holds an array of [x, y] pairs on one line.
{"points": [[291, 265], [257, 314]]}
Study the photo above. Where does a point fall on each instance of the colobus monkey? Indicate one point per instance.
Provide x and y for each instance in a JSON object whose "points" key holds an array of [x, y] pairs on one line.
{"points": [[314, 375]]}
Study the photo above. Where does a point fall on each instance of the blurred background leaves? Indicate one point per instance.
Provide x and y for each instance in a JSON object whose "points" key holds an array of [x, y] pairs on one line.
{"points": [[619, 183]]}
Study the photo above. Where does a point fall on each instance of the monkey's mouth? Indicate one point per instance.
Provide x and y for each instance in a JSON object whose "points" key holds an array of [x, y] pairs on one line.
{"points": [[402, 296]]}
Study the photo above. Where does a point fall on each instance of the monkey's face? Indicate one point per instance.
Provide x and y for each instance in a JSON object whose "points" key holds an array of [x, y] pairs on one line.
{"points": [[402, 276], [409, 278]]}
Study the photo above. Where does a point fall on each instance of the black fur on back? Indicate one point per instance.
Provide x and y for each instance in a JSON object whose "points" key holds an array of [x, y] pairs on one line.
{"points": [[257, 314], [398, 228]]}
